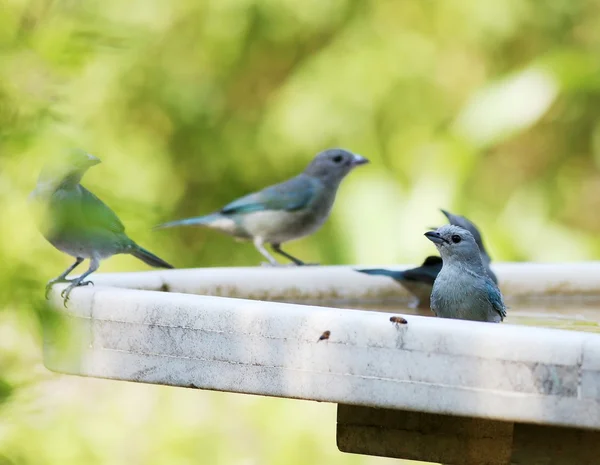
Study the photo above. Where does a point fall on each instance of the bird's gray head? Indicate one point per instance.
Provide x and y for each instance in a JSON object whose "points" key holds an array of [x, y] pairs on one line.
{"points": [[69, 170], [467, 224], [330, 166], [455, 243]]}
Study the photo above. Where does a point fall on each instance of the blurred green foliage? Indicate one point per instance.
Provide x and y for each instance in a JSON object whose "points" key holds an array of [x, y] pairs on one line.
{"points": [[488, 109]]}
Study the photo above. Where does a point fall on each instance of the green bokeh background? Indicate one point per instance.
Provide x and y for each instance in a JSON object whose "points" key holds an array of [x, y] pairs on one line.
{"points": [[488, 109]]}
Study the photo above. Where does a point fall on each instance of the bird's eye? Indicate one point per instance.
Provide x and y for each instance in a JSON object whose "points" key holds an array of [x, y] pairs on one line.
{"points": [[456, 238], [338, 158]]}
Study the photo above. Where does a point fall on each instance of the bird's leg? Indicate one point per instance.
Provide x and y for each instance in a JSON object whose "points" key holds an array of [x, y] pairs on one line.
{"points": [[277, 248], [259, 244], [80, 281], [63, 277]]}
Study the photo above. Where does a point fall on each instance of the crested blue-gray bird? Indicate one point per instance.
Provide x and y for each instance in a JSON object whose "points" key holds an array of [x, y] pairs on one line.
{"points": [[467, 224], [78, 223], [418, 281], [283, 212], [463, 289]]}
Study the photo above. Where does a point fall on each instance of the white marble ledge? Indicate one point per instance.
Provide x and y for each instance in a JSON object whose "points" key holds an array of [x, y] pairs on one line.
{"points": [[504, 372], [343, 283]]}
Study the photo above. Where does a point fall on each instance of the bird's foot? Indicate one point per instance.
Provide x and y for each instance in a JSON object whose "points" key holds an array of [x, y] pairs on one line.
{"points": [[66, 292], [307, 264], [54, 281]]}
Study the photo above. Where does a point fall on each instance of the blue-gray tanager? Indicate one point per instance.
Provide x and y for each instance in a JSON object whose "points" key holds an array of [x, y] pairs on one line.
{"points": [[465, 223], [463, 289], [286, 211], [418, 281], [78, 223]]}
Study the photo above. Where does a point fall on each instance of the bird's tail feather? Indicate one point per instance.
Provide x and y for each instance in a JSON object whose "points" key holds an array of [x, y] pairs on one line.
{"points": [[148, 257], [382, 272], [197, 221]]}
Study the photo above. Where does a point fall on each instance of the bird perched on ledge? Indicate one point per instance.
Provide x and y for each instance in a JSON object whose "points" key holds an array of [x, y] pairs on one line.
{"points": [[283, 212], [419, 281], [463, 289], [78, 223]]}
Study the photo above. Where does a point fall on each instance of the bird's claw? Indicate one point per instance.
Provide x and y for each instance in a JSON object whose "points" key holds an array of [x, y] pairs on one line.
{"points": [[66, 292], [48, 289], [51, 284]]}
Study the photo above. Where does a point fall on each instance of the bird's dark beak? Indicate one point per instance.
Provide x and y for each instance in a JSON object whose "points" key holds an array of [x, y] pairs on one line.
{"points": [[359, 160], [435, 237]]}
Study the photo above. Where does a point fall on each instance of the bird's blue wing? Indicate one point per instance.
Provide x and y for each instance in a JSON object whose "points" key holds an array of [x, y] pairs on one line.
{"points": [[291, 195], [495, 298]]}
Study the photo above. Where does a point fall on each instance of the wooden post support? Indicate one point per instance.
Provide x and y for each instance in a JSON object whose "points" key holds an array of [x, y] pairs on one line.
{"points": [[456, 440]]}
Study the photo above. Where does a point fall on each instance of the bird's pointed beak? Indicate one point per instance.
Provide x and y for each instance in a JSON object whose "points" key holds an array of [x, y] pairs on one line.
{"points": [[359, 160], [92, 160], [435, 237]]}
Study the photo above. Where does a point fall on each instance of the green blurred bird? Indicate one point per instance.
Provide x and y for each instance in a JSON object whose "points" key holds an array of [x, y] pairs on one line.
{"points": [[78, 223]]}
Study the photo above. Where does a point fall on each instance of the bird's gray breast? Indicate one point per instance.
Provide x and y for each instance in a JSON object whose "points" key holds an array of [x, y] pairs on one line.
{"points": [[458, 294]]}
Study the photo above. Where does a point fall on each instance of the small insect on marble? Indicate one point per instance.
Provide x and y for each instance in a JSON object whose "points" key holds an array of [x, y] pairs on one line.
{"points": [[398, 320], [324, 336]]}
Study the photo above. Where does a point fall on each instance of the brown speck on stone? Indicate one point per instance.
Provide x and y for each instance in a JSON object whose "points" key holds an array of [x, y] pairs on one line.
{"points": [[324, 336], [398, 320], [164, 288]]}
